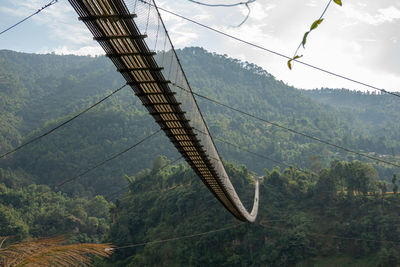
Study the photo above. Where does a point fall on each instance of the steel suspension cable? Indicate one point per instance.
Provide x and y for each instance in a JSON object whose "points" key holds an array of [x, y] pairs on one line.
{"points": [[178, 238], [263, 157], [257, 154], [108, 159], [33, 14], [62, 124], [289, 129], [161, 191], [237, 225], [116, 193], [277, 53], [333, 236]]}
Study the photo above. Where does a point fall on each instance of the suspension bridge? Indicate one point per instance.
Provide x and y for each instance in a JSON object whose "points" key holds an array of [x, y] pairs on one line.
{"points": [[134, 37]]}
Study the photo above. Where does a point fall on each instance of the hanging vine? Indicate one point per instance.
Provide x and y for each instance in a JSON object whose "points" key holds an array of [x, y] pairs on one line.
{"points": [[314, 25]]}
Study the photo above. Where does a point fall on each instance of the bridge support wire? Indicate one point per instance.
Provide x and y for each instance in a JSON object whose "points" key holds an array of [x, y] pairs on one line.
{"points": [[126, 30]]}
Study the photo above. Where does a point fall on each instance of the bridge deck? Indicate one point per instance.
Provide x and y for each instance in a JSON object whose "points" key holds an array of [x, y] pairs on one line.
{"points": [[113, 26]]}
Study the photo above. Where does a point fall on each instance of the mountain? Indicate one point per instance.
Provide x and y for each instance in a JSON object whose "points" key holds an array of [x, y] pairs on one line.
{"points": [[333, 212], [39, 91], [378, 112], [50, 89]]}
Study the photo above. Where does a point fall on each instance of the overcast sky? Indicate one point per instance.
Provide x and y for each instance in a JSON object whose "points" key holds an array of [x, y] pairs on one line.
{"points": [[360, 40]]}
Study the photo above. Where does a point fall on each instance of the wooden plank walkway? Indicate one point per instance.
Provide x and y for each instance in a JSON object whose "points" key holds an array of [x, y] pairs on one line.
{"points": [[114, 28]]}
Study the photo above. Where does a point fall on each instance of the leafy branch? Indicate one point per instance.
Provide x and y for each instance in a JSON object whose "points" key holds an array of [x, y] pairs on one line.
{"points": [[313, 27]]}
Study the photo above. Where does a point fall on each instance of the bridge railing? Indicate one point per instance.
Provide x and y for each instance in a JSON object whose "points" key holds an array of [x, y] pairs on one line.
{"points": [[173, 71], [129, 31]]}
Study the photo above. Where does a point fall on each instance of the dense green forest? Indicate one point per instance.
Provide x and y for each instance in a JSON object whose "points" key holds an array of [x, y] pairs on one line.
{"points": [[377, 112], [37, 211], [304, 220], [303, 215], [38, 91]]}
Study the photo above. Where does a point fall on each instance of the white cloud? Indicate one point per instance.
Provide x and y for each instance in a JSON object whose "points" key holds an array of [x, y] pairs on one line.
{"points": [[338, 49], [81, 51], [312, 3], [21, 8], [180, 36], [390, 13], [259, 11], [358, 40], [59, 20], [13, 11], [64, 25], [383, 15]]}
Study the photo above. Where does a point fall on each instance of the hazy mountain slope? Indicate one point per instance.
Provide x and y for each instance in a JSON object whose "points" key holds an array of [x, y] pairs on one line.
{"points": [[252, 89], [51, 86], [38, 91], [379, 113]]}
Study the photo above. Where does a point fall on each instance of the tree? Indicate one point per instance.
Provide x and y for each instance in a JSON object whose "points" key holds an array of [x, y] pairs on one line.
{"points": [[11, 223], [326, 187], [360, 177], [382, 186], [159, 163], [394, 184]]}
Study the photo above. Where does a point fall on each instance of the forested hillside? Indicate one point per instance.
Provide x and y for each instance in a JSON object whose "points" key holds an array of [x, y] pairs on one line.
{"points": [[39, 91], [303, 220], [328, 207], [52, 89], [379, 114], [37, 211]]}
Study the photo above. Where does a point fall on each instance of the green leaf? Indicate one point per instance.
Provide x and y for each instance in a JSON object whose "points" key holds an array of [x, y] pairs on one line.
{"points": [[339, 2], [305, 39], [315, 24], [289, 63]]}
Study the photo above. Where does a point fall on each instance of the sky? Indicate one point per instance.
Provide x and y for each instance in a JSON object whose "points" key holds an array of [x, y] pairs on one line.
{"points": [[360, 40]]}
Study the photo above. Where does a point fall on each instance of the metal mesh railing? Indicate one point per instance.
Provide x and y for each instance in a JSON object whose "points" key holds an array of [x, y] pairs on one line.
{"points": [[165, 92]]}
